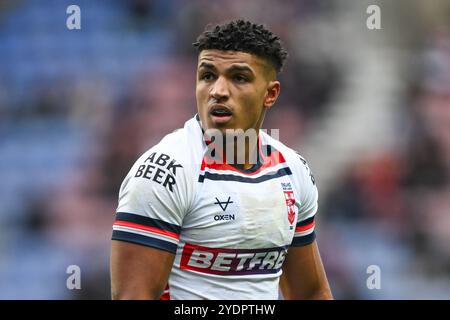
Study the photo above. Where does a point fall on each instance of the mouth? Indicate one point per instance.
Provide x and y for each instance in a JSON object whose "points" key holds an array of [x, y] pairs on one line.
{"points": [[220, 113]]}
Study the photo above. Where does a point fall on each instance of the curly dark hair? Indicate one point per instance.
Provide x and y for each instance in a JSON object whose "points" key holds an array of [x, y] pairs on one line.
{"points": [[245, 36]]}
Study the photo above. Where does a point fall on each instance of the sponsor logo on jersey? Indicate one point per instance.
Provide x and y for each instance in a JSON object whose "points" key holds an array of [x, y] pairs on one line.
{"points": [[227, 217], [227, 262], [223, 204], [160, 168]]}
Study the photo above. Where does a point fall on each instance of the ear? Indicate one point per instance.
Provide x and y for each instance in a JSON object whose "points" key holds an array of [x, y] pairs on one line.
{"points": [[272, 93]]}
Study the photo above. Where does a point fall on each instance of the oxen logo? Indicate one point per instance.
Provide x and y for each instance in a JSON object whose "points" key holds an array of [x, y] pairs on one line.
{"points": [[223, 204]]}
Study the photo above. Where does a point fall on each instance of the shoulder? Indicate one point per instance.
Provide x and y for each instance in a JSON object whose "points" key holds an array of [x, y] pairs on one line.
{"points": [[176, 144], [171, 165], [178, 153], [301, 176], [296, 162]]}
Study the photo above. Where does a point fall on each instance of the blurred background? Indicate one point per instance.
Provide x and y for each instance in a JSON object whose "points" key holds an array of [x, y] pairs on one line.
{"points": [[369, 109]]}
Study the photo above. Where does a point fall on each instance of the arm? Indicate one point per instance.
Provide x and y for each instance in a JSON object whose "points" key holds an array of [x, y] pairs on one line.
{"points": [[138, 272], [303, 275], [147, 226]]}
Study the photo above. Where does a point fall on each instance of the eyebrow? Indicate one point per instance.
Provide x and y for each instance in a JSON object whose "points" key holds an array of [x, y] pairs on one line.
{"points": [[233, 68], [236, 68], [206, 66]]}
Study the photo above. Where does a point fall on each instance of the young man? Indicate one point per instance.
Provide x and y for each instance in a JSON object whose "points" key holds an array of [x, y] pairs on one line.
{"points": [[195, 223]]}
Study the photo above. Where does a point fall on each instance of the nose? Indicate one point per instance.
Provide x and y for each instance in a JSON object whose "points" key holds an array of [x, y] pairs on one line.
{"points": [[219, 90]]}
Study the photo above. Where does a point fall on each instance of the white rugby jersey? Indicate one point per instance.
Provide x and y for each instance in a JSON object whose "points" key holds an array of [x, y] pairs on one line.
{"points": [[229, 229]]}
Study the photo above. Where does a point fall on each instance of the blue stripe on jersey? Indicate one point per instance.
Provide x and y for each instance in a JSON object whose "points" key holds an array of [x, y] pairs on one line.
{"points": [[303, 241], [144, 240], [305, 222], [229, 177], [146, 221]]}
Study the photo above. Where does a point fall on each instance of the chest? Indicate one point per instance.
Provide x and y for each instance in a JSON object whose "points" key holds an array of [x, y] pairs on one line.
{"points": [[233, 214]]}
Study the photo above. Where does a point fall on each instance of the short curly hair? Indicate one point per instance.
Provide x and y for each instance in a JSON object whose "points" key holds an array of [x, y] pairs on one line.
{"points": [[245, 36]]}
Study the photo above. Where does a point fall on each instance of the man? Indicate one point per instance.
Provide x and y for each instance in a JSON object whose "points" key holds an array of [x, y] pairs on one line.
{"points": [[194, 222]]}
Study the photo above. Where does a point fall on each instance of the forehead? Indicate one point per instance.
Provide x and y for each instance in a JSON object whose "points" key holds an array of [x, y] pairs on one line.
{"points": [[221, 58]]}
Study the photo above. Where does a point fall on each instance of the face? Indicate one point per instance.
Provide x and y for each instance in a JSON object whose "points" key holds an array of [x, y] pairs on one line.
{"points": [[234, 89]]}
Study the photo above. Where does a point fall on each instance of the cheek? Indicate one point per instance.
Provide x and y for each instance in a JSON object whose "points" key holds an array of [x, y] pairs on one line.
{"points": [[251, 107], [201, 92], [253, 101]]}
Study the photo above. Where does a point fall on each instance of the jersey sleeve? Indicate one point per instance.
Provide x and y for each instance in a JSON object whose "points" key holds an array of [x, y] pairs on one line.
{"points": [[308, 204], [153, 200]]}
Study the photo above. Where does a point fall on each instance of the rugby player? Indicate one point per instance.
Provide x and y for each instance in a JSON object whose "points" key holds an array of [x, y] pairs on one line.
{"points": [[194, 223]]}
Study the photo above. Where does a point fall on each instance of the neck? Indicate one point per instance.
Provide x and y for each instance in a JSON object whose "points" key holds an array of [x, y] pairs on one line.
{"points": [[241, 151]]}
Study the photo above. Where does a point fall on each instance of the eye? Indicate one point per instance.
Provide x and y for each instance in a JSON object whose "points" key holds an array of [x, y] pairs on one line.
{"points": [[207, 76], [240, 78]]}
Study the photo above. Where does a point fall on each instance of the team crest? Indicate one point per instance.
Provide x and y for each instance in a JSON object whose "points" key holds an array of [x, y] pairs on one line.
{"points": [[290, 201]]}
